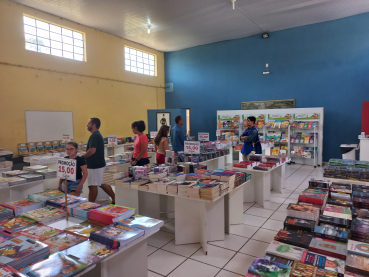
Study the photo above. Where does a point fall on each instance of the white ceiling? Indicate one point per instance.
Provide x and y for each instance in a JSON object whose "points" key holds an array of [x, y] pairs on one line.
{"points": [[179, 24]]}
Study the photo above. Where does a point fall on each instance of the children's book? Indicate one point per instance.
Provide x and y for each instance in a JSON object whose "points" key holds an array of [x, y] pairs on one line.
{"points": [[7, 235], [40, 147], [144, 223], [17, 223], [63, 241], [40, 232], [23, 149], [81, 210], [267, 268], [48, 145], [111, 213], [32, 147], [324, 262], [84, 228], [55, 145]]}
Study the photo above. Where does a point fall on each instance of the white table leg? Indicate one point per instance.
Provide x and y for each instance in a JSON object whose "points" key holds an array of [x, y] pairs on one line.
{"points": [[127, 197], [235, 201], [221, 162], [203, 224], [261, 185], [249, 190], [149, 204], [277, 178]]}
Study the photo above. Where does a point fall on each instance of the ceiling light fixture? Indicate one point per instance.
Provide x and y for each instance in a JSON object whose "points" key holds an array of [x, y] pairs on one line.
{"points": [[148, 29], [233, 3]]}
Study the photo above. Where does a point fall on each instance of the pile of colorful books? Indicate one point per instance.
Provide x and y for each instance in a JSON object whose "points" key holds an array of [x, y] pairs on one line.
{"points": [[45, 215], [59, 202], [5, 213], [22, 206], [111, 213], [45, 195], [81, 210]]}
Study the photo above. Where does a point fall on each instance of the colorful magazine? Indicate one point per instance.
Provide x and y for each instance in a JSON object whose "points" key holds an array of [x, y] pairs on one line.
{"points": [[63, 241], [144, 223], [17, 223], [6, 235], [84, 228], [40, 232]]}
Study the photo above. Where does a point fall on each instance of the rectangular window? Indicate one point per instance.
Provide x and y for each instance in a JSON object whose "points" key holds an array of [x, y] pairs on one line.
{"points": [[53, 40], [139, 62]]}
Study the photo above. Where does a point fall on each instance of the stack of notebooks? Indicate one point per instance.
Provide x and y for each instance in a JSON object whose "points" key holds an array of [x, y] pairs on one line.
{"points": [[294, 237], [3, 182], [84, 228], [22, 206], [46, 173], [17, 223], [63, 241], [330, 264], [328, 247], [45, 215], [59, 202], [116, 235], [147, 224], [286, 251], [39, 232], [338, 212], [44, 196], [14, 173], [304, 212], [21, 251], [111, 213], [5, 213], [32, 177], [13, 181], [360, 230], [81, 210]]}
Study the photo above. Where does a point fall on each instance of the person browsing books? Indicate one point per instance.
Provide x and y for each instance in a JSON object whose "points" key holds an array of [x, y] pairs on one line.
{"points": [[140, 155], [178, 137], [96, 161], [161, 144], [250, 138], [75, 187]]}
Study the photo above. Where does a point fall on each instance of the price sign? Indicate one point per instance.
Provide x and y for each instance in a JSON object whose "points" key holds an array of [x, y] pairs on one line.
{"points": [[66, 137], [153, 134], [191, 147], [203, 136], [112, 140], [67, 169], [217, 133]]}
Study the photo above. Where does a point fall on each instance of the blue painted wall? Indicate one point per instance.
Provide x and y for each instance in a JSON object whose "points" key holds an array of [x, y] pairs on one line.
{"points": [[321, 65]]}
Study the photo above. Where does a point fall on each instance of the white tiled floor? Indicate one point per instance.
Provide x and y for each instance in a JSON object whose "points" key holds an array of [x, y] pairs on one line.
{"points": [[234, 255]]}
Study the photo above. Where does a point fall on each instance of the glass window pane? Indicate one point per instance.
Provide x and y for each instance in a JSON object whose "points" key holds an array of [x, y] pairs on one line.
{"points": [[56, 52], [128, 68], [151, 62], [140, 62], [68, 55], [152, 73], [147, 72], [78, 43], [128, 62], [78, 57], [145, 55], [67, 40], [152, 68], [151, 57], [133, 63], [134, 69], [140, 65], [42, 33], [42, 25], [56, 37], [140, 70], [56, 45], [146, 66], [30, 46], [146, 60], [67, 47], [43, 42], [126, 50], [132, 51], [78, 35], [55, 29], [30, 38], [29, 21], [29, 30], [78, 50], [139, 59], [66, 32], [133, 58], [45, 50]]}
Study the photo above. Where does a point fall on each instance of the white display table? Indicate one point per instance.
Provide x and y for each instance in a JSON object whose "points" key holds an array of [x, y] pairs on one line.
{"points": [[196, 220], [21, 191], [262, 182], [364, 149], [118, 149], [129, 261]]}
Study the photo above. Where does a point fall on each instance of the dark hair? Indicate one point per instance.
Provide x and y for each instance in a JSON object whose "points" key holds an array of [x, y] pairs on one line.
{"points": [[178, 118], [96, 121], [74, 144], [163, 133], [252, 118], [140, 125]]}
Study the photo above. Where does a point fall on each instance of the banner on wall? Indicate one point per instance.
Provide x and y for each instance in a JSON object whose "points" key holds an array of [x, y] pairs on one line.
{"points": [[258, 117], [280, 116], [306, 116], [228, 117]]}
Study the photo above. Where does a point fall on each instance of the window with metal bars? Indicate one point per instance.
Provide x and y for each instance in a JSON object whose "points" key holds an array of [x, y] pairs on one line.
{"points": [[139, 62], [47, 38]]}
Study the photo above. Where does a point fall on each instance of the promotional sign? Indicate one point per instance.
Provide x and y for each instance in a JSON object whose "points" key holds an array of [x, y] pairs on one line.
{"points": [[306, 116], [228, 117], [191, 147], [66, 137], [217, 133], [67, 169], [203, 136], [280, 116], [257, 117], [153, 134], [112, 140]]}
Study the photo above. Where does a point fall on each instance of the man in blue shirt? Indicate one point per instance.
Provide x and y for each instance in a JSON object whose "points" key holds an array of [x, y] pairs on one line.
{"points": [[177, 136], [250, 138]]}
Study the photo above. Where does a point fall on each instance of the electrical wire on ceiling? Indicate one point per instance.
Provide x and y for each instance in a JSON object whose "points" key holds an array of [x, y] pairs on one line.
{"points": [[234, 6]]}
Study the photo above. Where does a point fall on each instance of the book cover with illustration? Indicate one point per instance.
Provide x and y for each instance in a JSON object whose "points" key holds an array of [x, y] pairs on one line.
{"points": [[267, 268], [40, 232], [330, 233], [141, 222], [59, 202], [81, 210], [298, 223], [63, 241], [44, 196], [111, 213], [285, 250], [358, 248], [278, 259], [8, 271], [303, 270], [324, 262], [17, 223], [45, 214], [6, 235], [84, 228], [294, 238], [328, 247]]}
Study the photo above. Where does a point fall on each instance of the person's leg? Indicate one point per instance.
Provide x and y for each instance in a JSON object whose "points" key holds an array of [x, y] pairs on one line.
{"points": [[92, 194], [245, 157], [109, 191], [75, 193]]}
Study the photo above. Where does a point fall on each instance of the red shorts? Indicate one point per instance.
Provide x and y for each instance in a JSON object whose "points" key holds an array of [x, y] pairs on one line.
{"points": [[160, 158]]}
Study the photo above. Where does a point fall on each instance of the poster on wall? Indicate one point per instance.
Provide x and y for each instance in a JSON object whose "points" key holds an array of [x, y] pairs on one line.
{"points": [[268, 104], [162, 119], [306, 116]]}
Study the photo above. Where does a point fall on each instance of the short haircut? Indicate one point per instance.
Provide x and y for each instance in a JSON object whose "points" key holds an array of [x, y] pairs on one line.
{"points": [[140, 125], [74, 144], [178, 118], [252, 118], [96, 121]]}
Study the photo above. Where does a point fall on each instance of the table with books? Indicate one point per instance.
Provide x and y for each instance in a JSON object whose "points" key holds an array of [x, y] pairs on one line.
{"points": [[266, 176], [203, 212], [37, 240]]}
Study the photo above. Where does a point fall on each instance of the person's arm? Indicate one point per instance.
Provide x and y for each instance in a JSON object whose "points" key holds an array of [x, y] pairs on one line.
{"points": [[166, 144], [83, 180], [93, 143], [181, 136], [89, 153], [252, 136], [142, 152], [243, 137], [60, 184]]}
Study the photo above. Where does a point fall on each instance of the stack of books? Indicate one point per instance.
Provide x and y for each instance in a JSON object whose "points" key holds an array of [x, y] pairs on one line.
{"points": [[136, 183], [89, 252], [84, 228], [210, 191], [116, 235], [14, 173], [17, 223], [147, 224], [22, 206], [320, 184], [183, 187], [59, 202], [314, 196], [304, 212], [259, 266], [5, 213], [39, 232], [329, 171], [285, 251], [63, 241], [357, 265], [295, 237], [333, 265], [32, 177], [360, 196], [3, 182], [5, 164], [360, 213], [335, 161], [35, 168], [44, 196], [353, 173], [81, 210], [301, 269], [320, 207], [109, 178], [46, 173], [111, 213], [172, 188], [341, 172], [329, 248], [6, 235], [358, 248], [162, 185], [22, 251], [299, 224], [45, 215], [360, 230], [331, 233], [278, 259], [338, 212], [193, 191], [334, 221], [13, 181], [364, 175], [8, 271], [179, 176]]}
